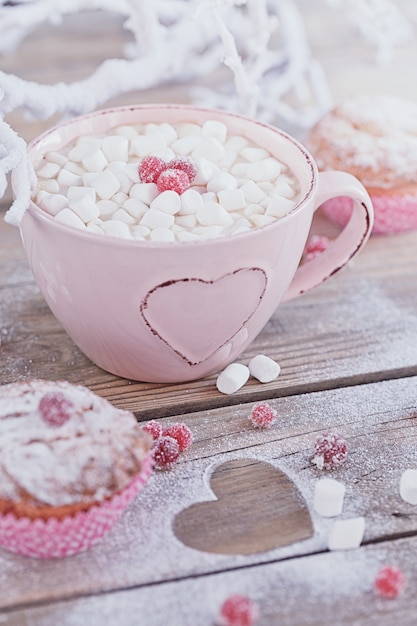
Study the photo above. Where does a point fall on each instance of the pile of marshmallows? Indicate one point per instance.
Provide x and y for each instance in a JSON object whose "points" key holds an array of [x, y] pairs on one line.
{"points": [[217, 184]]}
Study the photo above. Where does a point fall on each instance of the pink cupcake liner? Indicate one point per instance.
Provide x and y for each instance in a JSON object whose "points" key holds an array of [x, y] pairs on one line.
{"points": [[393, 214], [70, 535]]}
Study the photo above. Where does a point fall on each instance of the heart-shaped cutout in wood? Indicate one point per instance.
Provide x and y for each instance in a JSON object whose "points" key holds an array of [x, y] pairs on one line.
{"points": [[196, 317], [258, 508]]}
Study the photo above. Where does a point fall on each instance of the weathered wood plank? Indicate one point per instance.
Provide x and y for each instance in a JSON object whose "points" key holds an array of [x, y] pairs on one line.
{"points": [[332, 588], [380, 424]]}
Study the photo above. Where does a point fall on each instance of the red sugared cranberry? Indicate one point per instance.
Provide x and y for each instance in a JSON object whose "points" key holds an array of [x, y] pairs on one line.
{"points": [[390, 582], [185, 165], [173, 180], [238, 610], [165, 452], [330, 451], [153, 428], [181, 433], [150, 168], [263, 415], [55, 408]]}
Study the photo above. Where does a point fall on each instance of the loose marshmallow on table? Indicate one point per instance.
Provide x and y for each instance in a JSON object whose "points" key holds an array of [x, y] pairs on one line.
{"points": [[238, 185], [232, 378], [264, 368], [408, 486], [328, 497], [346, 534]]}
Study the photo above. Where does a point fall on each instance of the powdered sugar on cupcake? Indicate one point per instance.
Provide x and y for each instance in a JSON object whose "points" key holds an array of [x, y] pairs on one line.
{"points": [[60, 453]]}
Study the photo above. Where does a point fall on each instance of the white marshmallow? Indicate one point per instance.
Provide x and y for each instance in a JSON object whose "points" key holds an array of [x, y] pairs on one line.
{"points": [[54, 203], [168, 132], [263, 368], [51, 186], [94, 228], [236, 143], [252, 192], [208, 232], [209, 148], [56, 157], [144, 191], [212, 213], [162, 234], [253, 209], [143, 145], [266, 169], [135, 207], [106, 185], [220, 181], [84, 206], [278, 206], [232, 378], [213, 128], [261, 220], [240, 170], [120, 198], [232, 199], [241, 225], [284, 189], [66, 216], [95, 162], [251, 153], [48, 170], [328, 497], [205, 171], [191, 201], [346, 534], [186, 221], [67, 179], [168, 201], [123, 216], [106, 207], [408, 486], [184, 146], [115, 228], [126, 131], [188, 128], [140, 232], [115, 148], [75, 168], [186, 235], [157, 219], [75, 193]]}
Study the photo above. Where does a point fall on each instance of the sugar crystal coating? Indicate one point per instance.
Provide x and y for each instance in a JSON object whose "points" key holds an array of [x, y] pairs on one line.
{"points": [[55, 408], [330, 451], [181, 433], [185, 165], [263, 415], [150, 168], [238, 610], [165, 452], [173, 180], [153, 428], [390, 582]]}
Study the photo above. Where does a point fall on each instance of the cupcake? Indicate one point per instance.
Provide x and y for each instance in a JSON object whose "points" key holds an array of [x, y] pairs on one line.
{"points": [[70, 463], [374, 137]]}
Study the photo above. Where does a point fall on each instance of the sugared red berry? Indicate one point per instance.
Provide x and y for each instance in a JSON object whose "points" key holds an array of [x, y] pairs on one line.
{"points": [[150, 168], [153, 428], [330, 451], [238, 610], [181, 433], [263, 415], [165, 452], [390, 582], [185, 165], [55, 408], [315, 246], [174, 180]]}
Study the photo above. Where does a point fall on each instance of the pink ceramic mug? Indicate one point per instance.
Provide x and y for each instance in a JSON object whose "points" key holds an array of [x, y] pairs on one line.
{"points": [[177, 311]]}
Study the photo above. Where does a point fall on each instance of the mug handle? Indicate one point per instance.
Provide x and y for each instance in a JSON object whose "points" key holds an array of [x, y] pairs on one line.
{"points": [[349, 242]]}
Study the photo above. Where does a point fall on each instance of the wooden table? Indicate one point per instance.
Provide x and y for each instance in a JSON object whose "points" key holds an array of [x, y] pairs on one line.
{"points": [[348, 353]]}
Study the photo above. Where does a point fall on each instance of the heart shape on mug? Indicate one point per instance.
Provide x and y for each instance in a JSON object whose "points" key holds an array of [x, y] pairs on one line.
{"points": [[258, 508], [197, 317]]}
